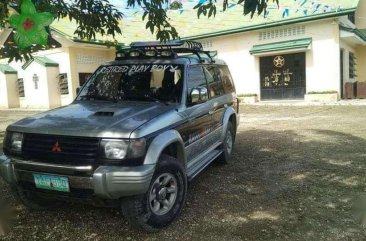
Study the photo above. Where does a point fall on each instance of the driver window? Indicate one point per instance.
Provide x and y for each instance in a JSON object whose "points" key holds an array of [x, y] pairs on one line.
{"points": [[196, 79]]}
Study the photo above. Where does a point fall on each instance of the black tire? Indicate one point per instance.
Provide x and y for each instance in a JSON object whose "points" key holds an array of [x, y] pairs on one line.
{"points": [[34, 201], [138, 210], [226, 154]]}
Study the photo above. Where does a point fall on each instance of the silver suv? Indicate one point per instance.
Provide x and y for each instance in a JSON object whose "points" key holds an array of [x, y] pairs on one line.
{"points": [[140, 128]]}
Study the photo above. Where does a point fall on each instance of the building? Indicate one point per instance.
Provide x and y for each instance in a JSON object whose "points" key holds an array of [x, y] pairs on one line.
{"points": [[295, 51]]}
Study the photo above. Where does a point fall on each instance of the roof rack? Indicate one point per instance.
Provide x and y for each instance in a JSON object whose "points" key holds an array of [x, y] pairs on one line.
{"points": [[165, 49]]}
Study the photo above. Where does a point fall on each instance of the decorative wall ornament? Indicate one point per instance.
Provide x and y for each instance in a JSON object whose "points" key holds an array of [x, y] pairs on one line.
{"points": [[279, 61], [30, 26]]}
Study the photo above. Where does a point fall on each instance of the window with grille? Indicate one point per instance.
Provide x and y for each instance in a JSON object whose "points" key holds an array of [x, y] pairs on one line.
{"points": [[20, 85], [63, 84], [352, 66]]}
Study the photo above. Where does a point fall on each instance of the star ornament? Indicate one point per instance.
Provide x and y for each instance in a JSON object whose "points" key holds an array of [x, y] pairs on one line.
{"points": [[30, 25]]}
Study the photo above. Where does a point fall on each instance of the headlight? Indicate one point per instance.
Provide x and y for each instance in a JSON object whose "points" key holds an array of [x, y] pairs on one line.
{"points": [[115, 149], [120, 149], [14, 141]]}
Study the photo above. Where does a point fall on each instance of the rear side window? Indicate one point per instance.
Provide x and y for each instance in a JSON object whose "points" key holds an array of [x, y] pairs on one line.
{"points": [[226, 79], [214, 83]]}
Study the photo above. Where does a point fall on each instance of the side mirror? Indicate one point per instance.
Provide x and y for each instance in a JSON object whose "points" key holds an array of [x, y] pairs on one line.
{"points": [[195, 96], [77, 90], [198, 95]]}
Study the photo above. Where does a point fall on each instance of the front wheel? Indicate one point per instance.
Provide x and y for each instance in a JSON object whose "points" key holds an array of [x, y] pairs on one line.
{"points": [[164, 200]]}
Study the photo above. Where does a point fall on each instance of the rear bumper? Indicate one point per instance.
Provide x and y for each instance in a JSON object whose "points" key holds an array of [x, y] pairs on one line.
{"points": [[106, 182]]}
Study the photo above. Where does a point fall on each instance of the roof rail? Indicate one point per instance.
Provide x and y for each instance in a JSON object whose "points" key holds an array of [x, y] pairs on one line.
{"points": [[164, 49]]}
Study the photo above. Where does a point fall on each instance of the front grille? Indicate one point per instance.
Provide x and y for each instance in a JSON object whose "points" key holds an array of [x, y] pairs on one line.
{"points": [[70, 150]]}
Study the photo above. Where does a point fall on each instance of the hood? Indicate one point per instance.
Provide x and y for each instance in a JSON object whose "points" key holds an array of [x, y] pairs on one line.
{"points": [[93, 119]]}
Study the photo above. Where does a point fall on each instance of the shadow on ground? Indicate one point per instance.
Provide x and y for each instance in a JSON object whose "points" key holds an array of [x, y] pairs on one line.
{"points": [[280, 185]]}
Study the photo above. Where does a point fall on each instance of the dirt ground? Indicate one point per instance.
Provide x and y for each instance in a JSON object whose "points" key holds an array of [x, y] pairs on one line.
{"points": [[296, 174]]}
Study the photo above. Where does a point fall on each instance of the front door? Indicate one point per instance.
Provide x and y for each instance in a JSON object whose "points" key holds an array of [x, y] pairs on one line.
{"points": [[195, 131], [283, 76]]}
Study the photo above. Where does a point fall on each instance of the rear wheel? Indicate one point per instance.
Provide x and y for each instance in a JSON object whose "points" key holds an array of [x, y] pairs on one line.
{"points": [[164, 200], [227, 145], [34, 201]]}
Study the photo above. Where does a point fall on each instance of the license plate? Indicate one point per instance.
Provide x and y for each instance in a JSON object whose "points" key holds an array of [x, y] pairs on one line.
{"points": [[54, 183]]}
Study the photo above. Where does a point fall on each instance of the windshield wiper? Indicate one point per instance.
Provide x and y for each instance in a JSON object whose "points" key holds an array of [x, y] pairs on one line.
{"points": [[95, 97]]}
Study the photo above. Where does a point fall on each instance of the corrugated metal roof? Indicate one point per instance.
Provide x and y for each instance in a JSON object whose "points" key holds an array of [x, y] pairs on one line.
{"points": [[233, 20]]}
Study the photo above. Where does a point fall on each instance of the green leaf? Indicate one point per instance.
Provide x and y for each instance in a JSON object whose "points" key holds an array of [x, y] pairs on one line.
{"points": [[27, 7]]}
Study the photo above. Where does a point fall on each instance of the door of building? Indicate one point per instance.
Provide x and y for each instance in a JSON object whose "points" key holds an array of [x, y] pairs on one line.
{"points": [[283, 76], [83, 77]]}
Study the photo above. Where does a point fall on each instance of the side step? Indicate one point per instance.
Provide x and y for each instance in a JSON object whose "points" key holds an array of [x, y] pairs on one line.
{"points": [[203, 163]]}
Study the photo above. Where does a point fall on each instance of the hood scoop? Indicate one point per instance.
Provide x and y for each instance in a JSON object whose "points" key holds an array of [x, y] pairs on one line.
{"points": [[104, 113]]}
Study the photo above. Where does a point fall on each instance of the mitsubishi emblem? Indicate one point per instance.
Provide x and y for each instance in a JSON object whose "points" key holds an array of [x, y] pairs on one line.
{"points": [[56, 147]]}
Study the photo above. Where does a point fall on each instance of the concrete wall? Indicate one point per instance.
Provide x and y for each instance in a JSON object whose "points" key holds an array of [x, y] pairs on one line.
{"points": [[46, 95], [361, 15], [8, 91], [54, 96], [3, 91], [61, 56], [322, 60], [86, 60], [361, 63]]}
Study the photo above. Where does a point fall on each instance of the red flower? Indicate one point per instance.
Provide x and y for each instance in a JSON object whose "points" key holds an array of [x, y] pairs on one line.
{"points": [[28, 24]]}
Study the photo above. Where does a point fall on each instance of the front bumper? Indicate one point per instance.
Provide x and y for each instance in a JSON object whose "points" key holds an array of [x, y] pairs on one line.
{"points": [[106, 182]]}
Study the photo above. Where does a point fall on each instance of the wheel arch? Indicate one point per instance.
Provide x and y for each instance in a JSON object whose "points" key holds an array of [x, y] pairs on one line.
{"points": [[169, 143], [230, 115]]}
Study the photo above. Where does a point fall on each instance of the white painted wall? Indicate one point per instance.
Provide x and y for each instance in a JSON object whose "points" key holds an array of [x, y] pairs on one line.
{"points": [[322, 61], [47, 86], [3, 91], [86, 60], [62, 57]]}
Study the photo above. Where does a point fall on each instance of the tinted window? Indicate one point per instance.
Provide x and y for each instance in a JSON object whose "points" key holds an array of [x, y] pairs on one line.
{"points": [[214, 83], [145, 82], [196, 78], [226, 79]]}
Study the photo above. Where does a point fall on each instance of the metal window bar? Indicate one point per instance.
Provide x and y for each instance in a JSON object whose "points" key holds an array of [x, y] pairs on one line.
{"points": [[20, 86], [63, 84]]}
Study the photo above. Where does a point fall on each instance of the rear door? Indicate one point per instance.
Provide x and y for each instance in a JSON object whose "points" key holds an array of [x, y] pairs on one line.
{"points": [[220, 94]]}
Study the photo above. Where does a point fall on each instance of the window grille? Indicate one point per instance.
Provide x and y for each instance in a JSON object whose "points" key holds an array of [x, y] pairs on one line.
{"points": [[63, 84], [352, 66], [20, 86]]}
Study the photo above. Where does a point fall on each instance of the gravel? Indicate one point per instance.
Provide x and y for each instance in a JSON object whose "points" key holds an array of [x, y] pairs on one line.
{"points": [[296, 174]]}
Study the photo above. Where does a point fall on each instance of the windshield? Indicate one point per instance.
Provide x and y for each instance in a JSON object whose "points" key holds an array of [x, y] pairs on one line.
{"points": [[145, 82]]}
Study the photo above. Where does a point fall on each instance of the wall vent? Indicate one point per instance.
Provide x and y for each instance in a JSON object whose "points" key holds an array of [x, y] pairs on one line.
{"points": [[282, 33]]}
